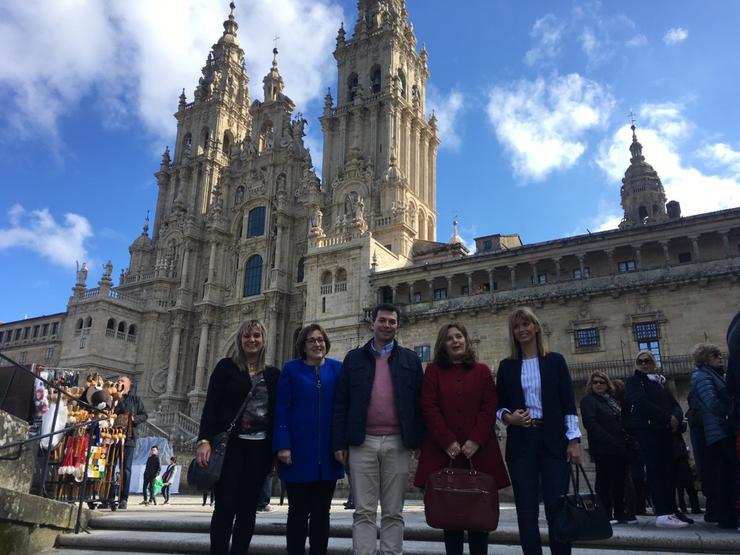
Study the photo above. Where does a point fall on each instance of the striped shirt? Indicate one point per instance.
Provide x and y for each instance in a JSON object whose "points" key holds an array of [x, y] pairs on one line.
{"points": [[532, 388]]}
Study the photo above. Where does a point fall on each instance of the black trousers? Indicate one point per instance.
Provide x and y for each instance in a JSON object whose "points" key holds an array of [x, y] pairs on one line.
{"points": [[309, 504], [534, 474], [611, 472], [721, 465], [246, 465], [166, 493], [657, 450], [477, 541], [148, 489]]}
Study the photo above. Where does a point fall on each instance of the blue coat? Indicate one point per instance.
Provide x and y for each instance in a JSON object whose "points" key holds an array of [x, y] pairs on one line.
{"points": [[715, 404], [303, 421]]}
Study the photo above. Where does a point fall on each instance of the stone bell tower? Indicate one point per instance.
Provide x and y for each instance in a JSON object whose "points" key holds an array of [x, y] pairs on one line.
{"points": [[643, 195], [379, 148]]}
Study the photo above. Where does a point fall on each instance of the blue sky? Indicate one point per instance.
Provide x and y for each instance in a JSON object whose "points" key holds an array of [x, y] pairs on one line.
{"points": [[533, 100]]}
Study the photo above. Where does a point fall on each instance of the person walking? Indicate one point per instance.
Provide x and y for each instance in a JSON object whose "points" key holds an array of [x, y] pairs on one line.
{"points": [[151, 471], [248, 456], [607, 445], [377, 418], [714, 403], [131, 409], [167, 476], [654, 416], [538, 407], [302, 440], [458, 402]]}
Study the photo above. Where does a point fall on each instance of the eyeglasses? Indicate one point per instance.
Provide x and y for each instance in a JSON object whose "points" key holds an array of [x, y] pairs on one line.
{"points": [[644, 360], [315, 341], [598, 382], [716, 355]]}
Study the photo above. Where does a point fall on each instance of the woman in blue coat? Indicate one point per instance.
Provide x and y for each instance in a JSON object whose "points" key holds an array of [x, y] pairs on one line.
{"points": [[302, 440]]}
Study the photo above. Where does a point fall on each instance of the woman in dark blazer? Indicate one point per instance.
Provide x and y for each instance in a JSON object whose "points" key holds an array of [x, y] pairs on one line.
{"points": [[302, 440], [538, 407], [607, 444], [458, 402], [248, 457], [653, 417]]}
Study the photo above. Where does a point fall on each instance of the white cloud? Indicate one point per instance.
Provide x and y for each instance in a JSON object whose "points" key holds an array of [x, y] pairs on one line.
{"points": [[447, 109], [38, 231], [697, 191], [542, 123], [723, 157], [546, 33], [675, 35], [637, 41], [138, 55]]}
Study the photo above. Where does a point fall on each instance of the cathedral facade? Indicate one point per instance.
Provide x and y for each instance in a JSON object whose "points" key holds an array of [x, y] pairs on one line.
{"points": [[245, 229]]}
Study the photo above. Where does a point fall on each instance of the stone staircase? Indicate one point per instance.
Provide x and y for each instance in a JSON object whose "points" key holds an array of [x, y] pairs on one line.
{"points": [[183, 528]]}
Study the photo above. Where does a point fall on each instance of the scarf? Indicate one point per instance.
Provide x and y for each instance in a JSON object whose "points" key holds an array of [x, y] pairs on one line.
{"points": [[657, 378], [612, 402]]}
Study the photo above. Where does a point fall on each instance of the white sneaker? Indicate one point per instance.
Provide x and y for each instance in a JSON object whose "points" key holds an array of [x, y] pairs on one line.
{"points": [[669, 521]]}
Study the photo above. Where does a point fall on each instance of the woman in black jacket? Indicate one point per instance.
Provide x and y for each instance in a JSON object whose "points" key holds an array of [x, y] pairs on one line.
{"points": [[248, 456], [607, 444], [654, 416]]}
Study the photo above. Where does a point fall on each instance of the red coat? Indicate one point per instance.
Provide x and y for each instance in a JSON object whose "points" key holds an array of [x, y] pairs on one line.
{"points": [[458, 405]]}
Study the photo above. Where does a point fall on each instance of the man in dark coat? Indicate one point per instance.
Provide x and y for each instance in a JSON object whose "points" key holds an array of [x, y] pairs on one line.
{"points": [[132, 407], [151, 471]]}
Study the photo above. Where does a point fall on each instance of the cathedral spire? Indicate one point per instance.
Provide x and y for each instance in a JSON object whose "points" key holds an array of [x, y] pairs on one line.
{"points": [[230, 27], [635, 147], [455, 239], [273, 81]]}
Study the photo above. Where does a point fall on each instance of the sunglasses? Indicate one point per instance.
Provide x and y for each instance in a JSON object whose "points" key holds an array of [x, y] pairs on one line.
{"points": [[644, 360], [716, 355], [598, 382]]}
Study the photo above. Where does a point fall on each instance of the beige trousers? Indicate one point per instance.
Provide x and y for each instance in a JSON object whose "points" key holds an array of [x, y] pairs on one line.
{"points": [[380, 472]]}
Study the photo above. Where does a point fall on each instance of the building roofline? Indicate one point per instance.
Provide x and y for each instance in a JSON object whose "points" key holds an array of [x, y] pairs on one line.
{"points": [[32, 318]]}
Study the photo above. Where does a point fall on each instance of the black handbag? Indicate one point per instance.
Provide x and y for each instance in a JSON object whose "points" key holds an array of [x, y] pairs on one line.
{"points": [[580, 516], [204, 478]]}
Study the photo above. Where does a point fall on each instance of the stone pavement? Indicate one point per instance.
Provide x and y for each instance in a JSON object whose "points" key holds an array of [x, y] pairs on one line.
{"points": [[182, 527]]}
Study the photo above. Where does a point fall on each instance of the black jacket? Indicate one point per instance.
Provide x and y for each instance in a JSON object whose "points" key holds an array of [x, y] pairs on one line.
{"points": [[355, 385], [227, 388], [558, 400], [606, 433], [649, 404], [152, 466], [733, 363], [133, 405]]}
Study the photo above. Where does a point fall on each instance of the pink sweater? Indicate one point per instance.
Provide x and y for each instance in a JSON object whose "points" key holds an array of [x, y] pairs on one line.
{"points": [[382, 418]]}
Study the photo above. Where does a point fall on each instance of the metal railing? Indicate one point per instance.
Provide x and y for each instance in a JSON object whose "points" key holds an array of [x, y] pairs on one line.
{"points": [[21, 444], [670, 367]]}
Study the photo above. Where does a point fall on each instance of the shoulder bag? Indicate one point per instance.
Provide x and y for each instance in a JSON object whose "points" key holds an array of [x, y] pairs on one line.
{"points": [[204, 478], [461, 499], [580, 516]]}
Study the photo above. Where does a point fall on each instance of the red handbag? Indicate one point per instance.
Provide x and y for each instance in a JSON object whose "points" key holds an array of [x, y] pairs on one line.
{"points": [[461, 499]]}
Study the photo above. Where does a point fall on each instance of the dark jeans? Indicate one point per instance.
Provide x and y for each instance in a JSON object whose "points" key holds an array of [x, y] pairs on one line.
{"points": [[611, 472], [533, 474], [309, 504], [265, 494], [148, 489], [477, 541], [657, 450], [721, 465], [128, 460], [166, 493], [246, 465]]}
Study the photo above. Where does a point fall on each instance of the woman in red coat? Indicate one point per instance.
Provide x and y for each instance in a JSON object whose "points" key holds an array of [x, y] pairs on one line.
{"points": [[458, 401]]}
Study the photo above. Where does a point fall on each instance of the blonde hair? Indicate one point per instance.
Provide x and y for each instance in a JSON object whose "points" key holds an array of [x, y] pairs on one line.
{"points": [[603, 376], [703, 352], [240, 358], [527, 314]]}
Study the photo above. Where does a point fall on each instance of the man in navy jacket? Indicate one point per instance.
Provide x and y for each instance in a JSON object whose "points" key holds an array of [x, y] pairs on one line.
{"points": [[377, 423]]}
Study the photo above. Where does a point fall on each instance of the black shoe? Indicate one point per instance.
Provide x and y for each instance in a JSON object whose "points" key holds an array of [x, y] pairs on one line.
{"points": [[123, 505], [349, 505], [683, 518]]}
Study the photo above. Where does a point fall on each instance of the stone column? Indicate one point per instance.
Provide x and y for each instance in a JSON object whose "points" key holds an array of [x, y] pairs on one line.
{"points": [[200, 366], [695, 247], [212, 263], [449, 286], [174, 356], [666, 253], [185, 263], [535, 279], [411, 293], [470, 284], [610, 259], [556, 261], [725, 242], [638, 256], [490, 281], [394, 292], [581, 265], [431, 289], [512, 274]]}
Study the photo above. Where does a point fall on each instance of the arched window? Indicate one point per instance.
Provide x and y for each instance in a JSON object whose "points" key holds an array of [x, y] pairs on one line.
{"points": [[122, 327], [132, 329], [226, 144], [88, 322], [79, 324], [300, 274], [340, 282], [256, 222], [266, 136], [430, 229], [422, 226], [375, 79], [326, 279], [205, 136], [352, 83], [111, 325], [402, 83], [642, 213], [253, 276]]}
